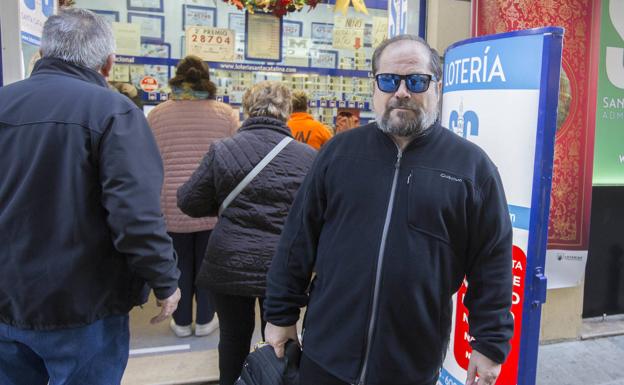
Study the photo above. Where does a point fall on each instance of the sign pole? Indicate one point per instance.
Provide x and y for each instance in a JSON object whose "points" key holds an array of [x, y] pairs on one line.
{"points": [[538, 235]]}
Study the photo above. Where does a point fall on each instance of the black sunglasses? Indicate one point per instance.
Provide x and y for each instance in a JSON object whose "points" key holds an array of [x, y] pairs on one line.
{"points": [[416, 83]]}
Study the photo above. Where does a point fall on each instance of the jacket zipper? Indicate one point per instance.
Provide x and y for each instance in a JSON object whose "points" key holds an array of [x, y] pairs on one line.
{"points": [[380, 257]]}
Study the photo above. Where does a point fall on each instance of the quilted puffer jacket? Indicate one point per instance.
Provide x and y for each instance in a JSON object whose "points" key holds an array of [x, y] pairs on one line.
{"points": [[244, 239], [184, 130]]}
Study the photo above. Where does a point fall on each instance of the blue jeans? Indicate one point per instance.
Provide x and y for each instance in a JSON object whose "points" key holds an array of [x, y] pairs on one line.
{"points": [[95, 354]]}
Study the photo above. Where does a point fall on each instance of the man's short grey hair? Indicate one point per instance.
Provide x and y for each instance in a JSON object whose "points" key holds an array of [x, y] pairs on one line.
{"points": [[434, 58], [78, 36], [268, 98]]}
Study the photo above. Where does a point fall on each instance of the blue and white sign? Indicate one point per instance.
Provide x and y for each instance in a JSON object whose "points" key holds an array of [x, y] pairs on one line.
{"points": [[501, 92], [33, 14], [397, 17]]}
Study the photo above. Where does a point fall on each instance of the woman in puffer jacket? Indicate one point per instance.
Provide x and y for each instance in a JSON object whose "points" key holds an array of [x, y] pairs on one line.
{"points": [[185, 127], [245, 237]]}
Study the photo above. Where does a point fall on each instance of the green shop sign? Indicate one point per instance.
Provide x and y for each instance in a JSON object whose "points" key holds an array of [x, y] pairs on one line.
{"points": [[609, 150]]}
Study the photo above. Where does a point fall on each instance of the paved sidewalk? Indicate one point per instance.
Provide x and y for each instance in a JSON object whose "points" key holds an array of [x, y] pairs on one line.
{"points": [[597, 361], [592, 361]]}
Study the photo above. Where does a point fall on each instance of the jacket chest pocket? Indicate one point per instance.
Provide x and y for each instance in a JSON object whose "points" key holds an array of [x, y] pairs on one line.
{"points": [[436, 203]]}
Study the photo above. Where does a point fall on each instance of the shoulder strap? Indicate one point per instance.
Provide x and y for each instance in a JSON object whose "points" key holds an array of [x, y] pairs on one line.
{"points": [[255, 171]]}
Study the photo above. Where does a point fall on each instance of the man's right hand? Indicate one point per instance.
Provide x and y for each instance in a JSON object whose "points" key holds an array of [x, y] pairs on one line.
{"points": [[168, 306], [277, 336]]}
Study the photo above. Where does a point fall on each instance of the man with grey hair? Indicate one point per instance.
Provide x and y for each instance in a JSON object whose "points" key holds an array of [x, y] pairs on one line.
{"points": [[392, 217], [82, 235]]}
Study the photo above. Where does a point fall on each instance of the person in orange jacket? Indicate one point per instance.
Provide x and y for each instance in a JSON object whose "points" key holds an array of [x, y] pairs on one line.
{"points": [[303, 126]]}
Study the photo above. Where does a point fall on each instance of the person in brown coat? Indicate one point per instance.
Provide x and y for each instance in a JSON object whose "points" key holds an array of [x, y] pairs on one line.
{"points": [[185, 127]]}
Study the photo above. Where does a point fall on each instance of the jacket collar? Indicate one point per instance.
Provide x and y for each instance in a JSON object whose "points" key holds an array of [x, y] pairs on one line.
{"points": [[62, 67], [265, 122], [300, 116], [431, 133], [186, 92]]}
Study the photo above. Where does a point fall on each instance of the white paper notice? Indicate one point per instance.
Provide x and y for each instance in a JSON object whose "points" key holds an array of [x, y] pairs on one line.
{"points": [[348, 33], [565, 268], [263, 37], [127, 38], [380, 30]]}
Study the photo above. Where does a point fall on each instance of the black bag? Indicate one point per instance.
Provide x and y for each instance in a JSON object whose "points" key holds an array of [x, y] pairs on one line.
{"points": [[262, 367]]}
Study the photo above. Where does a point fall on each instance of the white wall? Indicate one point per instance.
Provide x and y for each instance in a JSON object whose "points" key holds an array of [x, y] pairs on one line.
{"points": [[448, 21], [12, 67]]}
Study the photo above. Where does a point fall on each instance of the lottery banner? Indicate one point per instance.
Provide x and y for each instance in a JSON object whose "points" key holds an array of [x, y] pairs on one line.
{"points": [[500, 92]]}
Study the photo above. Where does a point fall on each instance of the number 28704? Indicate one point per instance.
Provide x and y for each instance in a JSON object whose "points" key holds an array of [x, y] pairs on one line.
{"points": [[210, 39]]}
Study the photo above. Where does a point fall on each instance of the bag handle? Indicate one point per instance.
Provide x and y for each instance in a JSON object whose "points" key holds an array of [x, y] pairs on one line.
{"points": [[255, 171], [292, 351]]}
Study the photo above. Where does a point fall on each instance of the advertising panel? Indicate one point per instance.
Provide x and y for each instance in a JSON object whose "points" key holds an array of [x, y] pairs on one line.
{"points": [[33, 14], [397, 17], [609, 148], [500, 92]]}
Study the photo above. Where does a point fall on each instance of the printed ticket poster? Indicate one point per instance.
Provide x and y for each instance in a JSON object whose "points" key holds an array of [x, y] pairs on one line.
{"points": [[127, 38], [121, 73], [380, 30], [209, 43], [500, 92], [264, 37], [348, 33]]}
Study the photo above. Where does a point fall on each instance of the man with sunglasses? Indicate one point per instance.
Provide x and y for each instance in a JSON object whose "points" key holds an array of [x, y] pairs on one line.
{"points": [[391, 218]]}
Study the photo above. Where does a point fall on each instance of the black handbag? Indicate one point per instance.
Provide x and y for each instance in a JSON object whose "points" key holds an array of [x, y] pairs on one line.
{"points": [[262, 367]]}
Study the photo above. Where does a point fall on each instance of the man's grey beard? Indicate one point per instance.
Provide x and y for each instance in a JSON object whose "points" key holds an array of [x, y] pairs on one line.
{"points": [[408, 128]]}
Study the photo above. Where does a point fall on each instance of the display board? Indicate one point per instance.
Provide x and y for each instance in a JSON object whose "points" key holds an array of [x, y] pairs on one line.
{"points": [[334, 73], [500, 92], [609, 144], [33, 14]]}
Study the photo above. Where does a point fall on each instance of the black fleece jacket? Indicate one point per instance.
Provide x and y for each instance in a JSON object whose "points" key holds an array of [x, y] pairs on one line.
{"points": [[391, 236]]}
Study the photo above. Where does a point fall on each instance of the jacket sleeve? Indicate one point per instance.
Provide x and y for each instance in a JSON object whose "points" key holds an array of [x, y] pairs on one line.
{"points": [[291, 268], [152, 121], [131, 177], [489, 272], [198, 197]]}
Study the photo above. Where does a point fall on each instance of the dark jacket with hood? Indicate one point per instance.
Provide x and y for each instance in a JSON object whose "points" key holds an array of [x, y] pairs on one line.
{"points": [[245, 237], [81, 230], [391, 235]]}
